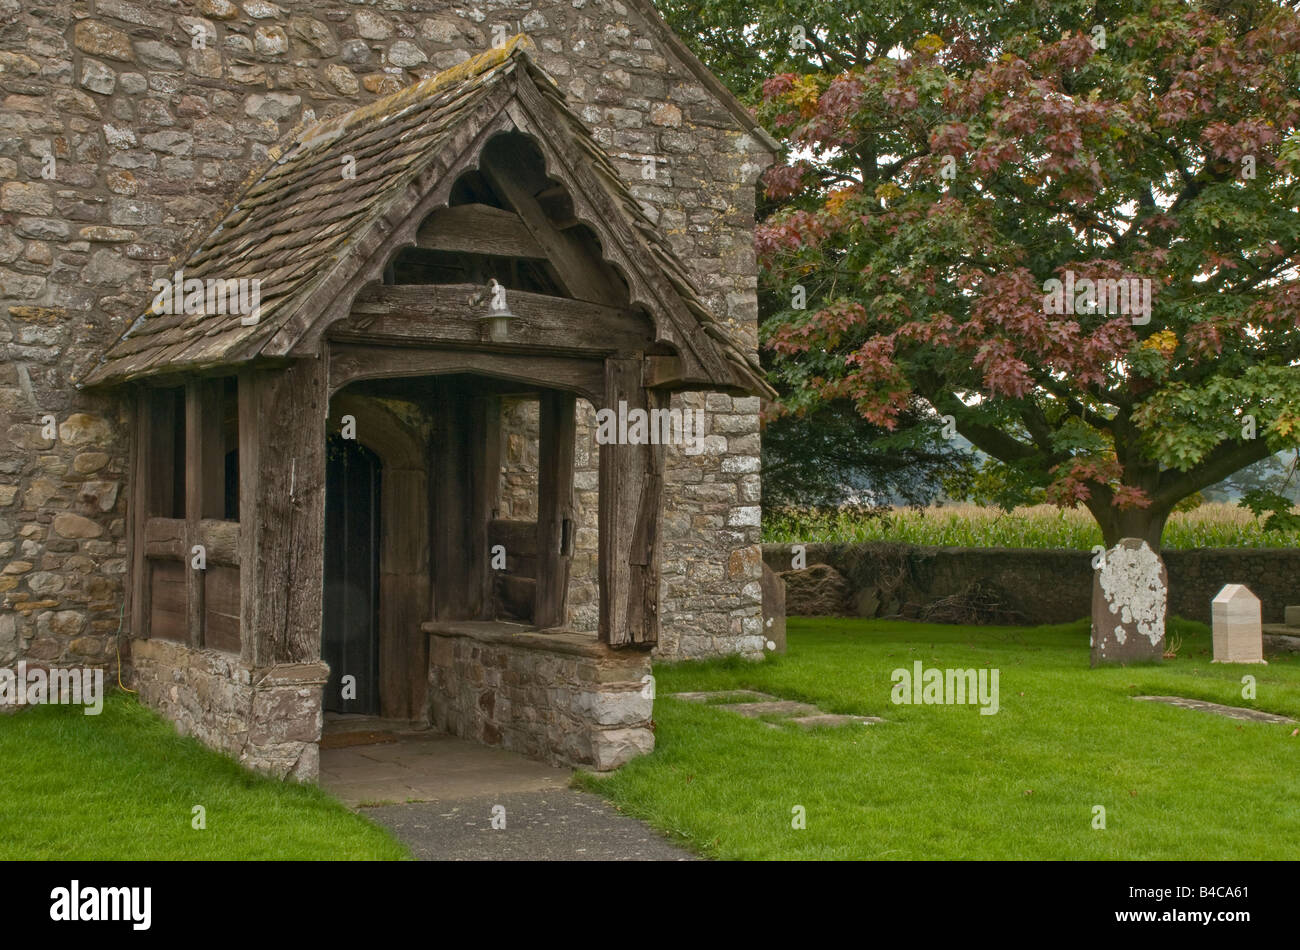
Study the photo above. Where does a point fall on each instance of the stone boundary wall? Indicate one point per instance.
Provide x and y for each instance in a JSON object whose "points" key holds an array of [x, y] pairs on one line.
{"points": [[268, 719], [1047, 586], [562, 698]]}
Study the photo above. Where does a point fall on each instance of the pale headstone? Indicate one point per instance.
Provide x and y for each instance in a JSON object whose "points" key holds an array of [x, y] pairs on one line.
{"points": [[1129, 593], [1238, 631]]}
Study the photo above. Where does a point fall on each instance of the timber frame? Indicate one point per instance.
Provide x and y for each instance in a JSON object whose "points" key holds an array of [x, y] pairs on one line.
{"points": [[374, 286]]}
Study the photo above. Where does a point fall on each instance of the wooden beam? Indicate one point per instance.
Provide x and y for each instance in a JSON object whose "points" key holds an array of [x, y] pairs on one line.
{"points": [[630, 512], [555, 508], [282, 512], [350, 362], [442, 314], [664, 372], [478, 229], [583, 276]]}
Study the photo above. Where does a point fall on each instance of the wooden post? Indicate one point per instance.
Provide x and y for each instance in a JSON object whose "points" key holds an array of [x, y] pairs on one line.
{"points": [[556, 433], [465, 467], [194, 480], [282, 416], [631, 501], [141, 492]]}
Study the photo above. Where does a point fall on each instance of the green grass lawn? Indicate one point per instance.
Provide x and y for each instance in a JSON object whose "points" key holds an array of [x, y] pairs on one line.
{"points": [[945, 782], [123, 785]]}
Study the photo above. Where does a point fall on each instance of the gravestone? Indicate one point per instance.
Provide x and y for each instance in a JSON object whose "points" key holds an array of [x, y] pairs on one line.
{"points": [[773, 610], [1129, 593], [1238, 630], [1291, 616]]}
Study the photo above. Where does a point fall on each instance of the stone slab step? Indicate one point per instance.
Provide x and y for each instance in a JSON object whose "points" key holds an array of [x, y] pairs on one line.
{"points": [[723, 696], [1232, 712], [832, 719]]}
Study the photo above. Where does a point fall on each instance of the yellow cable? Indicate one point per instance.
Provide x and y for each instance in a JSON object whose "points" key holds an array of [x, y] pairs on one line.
{"points": [[117, 646]]}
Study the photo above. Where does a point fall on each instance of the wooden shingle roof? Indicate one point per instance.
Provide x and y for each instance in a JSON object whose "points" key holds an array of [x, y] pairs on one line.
{"points": [[302, 225]]}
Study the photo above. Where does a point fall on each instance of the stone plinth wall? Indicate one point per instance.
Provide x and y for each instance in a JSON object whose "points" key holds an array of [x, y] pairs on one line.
{"points": [[268, 719], [150, 116], [1043, 586], [562, 698]]}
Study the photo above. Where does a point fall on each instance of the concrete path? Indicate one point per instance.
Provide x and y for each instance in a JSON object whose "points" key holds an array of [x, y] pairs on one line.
{"points": [[442, 796]]}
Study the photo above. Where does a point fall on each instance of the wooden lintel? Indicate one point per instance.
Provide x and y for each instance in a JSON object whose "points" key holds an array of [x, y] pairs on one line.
{"points": [[478, 229], [446, 314], [349, 363]]}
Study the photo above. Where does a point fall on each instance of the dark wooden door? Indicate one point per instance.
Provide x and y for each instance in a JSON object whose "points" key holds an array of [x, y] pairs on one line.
{"points": [[350, 626]]}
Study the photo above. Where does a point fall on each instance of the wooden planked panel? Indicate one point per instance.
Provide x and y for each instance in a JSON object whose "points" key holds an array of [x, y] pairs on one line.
{"points": [[518, 537], [517, 596], [167, 600], [221, 608], [478, 229], [444, 314]]}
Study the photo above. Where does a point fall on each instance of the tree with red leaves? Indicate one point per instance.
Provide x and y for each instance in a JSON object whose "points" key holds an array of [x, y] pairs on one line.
{"points": [[1075, 236]]}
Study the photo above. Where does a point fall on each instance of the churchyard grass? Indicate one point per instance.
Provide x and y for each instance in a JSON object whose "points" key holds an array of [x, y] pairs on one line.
{"points": [[944, 782], [1212, 525], [123, 785]]}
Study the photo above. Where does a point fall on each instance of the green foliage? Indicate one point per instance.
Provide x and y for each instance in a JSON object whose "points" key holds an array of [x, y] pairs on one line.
{"points": [[832, 454], [122, 785], [1280, 514], [945, 161], [1210, 525]]}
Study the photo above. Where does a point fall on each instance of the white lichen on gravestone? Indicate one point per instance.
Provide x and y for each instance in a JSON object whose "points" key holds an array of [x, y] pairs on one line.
{"points": [[1130, 582]]}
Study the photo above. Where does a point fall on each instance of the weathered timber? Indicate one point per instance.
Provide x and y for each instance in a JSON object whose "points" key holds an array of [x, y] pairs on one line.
{"points": [[141, 465], [630, 504], [583, 277], [555, 514], [478, 229], [282, 511], [442, 314], [350, 362]]}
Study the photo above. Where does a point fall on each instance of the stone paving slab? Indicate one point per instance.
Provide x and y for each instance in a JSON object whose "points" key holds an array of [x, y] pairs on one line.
{"points": [[722, 696], [762, 704], [551, 825], [780, 707], [1232, 712], [832, 719], [430, 767]]}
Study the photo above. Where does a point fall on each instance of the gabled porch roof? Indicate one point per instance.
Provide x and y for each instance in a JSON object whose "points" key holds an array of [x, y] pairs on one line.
{"points": [[313, 236]]}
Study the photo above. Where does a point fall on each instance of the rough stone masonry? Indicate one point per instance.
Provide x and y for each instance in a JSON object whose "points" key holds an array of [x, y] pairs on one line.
{"points": [[125, 127]]}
